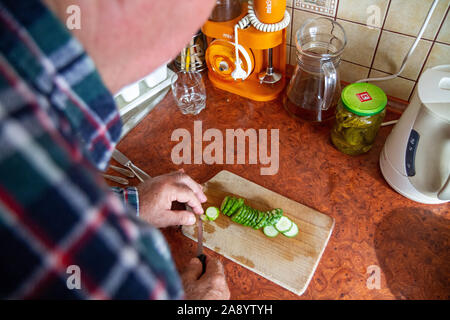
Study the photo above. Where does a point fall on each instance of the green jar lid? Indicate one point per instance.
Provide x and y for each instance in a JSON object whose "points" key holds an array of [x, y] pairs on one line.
{"points": [[363, 99]]}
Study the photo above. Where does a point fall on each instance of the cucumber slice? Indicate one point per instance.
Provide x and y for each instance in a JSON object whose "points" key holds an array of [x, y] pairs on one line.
{"points": [[270, 231], [228, 206], [269, 217], [241, 215], [236, 205], [277, 217], [237, 216], [284, 224], [246, 215], [260, 217], [292, 232], [212, 213], [253, 218], [262, 221], [224, 203]]}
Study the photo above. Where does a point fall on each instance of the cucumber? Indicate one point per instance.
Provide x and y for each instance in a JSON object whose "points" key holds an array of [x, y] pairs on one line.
{"points": [[292, 232], [228, 205], [236, 205], [246, 215], [237, 215], [243, 214], [270, 231], [272, 222], [260, 216], [284, 224], [212, 213], [262, 221], [278, 213], [269, 217], [224, 203], [250, 216]]}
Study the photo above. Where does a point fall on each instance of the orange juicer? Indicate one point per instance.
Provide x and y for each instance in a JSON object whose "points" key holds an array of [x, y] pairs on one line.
{"points": [[246, 54]]}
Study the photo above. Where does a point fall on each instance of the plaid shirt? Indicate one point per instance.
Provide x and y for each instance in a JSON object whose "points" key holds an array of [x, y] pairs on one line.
{"points": [[58, 219]]}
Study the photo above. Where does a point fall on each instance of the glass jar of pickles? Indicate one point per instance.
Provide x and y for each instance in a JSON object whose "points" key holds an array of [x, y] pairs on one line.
{"points": [[359, 114]]}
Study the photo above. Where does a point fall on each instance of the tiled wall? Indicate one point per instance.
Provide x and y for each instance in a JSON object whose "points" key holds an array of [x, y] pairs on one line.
{"points": [[378, 50]]}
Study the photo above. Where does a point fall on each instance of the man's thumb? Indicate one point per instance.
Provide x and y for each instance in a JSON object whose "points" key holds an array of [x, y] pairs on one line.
{"points": [[193, 270]]}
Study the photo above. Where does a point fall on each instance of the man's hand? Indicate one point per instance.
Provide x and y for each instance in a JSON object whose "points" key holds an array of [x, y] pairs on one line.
{"points": [[212, 285], [157, 194]]}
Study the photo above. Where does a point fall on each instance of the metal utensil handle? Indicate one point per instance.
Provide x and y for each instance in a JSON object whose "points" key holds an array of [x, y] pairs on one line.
{"points": [[116, 179], [141, 174], [125, 172]]}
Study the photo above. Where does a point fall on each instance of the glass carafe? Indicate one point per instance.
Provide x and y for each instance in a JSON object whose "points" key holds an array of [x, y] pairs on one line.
{"points": [[314, 90], [225, 10]]}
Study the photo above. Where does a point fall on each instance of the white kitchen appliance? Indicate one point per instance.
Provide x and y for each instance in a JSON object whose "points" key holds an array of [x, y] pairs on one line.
{"points": [[415, 160]]}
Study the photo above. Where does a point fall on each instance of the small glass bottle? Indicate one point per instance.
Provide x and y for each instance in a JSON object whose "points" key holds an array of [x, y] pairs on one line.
{"points": [[359, 114]]}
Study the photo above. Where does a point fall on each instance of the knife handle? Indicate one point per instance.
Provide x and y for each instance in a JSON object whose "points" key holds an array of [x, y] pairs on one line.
{"points": [[202, 259], [141, 174]]}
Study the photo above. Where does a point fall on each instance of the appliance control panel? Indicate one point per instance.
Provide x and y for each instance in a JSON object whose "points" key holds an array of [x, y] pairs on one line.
{"points": [[410, 155]]}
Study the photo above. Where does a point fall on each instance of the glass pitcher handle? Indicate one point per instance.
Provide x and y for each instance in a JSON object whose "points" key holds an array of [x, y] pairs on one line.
{"points": [[330, 83]]}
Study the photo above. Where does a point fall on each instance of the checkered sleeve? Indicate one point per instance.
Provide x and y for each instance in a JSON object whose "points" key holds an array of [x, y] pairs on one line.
{"points": [[129, 196], [63, 233]]}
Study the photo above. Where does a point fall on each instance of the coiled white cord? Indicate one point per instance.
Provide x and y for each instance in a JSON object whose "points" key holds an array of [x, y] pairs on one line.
{"points": [[267, 27], [252, 19]]}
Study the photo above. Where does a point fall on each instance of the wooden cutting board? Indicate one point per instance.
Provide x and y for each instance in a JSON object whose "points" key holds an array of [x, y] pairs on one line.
{"points": [[289, 262]]}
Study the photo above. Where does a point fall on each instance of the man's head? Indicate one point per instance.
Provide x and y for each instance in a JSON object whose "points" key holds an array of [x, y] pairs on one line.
{"points": [[128, 39]]}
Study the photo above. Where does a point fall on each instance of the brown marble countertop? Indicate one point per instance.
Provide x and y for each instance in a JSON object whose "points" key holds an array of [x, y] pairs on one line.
{"points": [[374, 225]]}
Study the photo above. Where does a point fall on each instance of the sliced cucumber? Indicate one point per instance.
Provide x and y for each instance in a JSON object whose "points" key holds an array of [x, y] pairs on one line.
{"points": [[277, 216], [246, 215], [292, 232], [228, 206], [270, 231], [284, 224], [212, 213], [236, 205], [260, 217], [271, 221], [224, 203], [262, 221], [250, 218]]}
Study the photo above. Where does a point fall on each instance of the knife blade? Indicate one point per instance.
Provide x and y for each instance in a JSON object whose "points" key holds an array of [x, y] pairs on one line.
{"points": [[200, 255], [123, 160], [125, 172]]}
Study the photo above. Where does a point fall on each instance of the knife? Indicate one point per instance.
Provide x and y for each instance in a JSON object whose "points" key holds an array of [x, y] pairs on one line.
{"points": [[116, 179], [123, 160], [125, 172], [200, 255]]}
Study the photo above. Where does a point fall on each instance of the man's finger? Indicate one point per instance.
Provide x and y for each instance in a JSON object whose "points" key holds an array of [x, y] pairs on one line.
{"points": [[191, 183], [192, 271], [184, 194], [179, 217], [214, 266]]}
